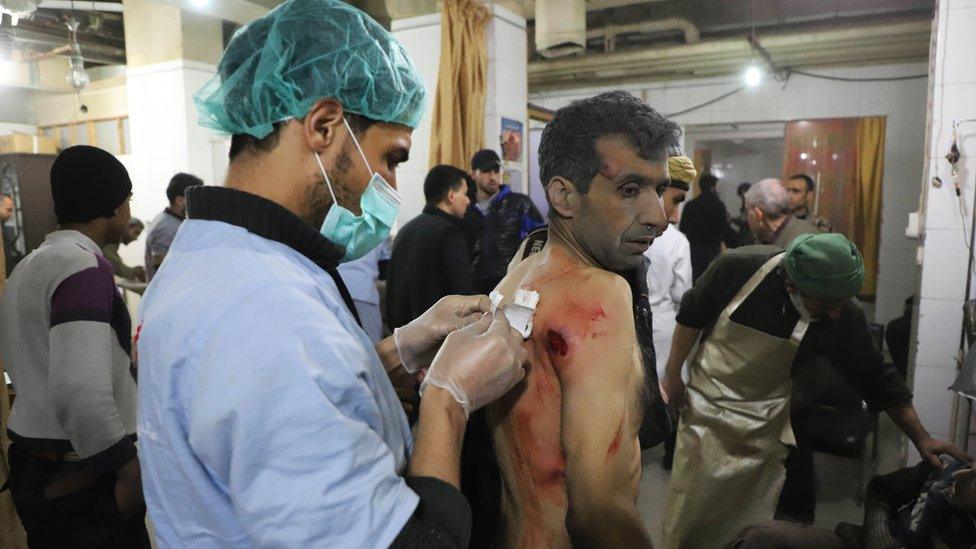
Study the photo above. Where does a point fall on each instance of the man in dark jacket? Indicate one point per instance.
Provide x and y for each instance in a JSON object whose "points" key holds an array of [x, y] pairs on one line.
{"points": [[705, 222], [498, 219], [430, 256]]}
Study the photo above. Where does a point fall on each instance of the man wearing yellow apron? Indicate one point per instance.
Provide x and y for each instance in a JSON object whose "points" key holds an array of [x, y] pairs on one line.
{"points": [[758, 311]]}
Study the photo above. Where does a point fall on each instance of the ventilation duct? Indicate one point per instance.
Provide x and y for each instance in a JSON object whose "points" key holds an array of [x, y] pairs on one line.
{"points": [[560, 27]]}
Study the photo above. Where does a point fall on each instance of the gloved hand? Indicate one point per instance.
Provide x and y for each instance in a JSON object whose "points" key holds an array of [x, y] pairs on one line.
{"points": [[418, 341], [479, 363]]}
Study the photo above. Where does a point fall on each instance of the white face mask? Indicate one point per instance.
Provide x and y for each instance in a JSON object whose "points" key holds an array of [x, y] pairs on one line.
{"points": [[805, 313]]}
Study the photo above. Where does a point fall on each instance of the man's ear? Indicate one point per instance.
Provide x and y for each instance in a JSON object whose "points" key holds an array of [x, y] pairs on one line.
{"points": [[322, 123], [563, 196], [760, 216]]}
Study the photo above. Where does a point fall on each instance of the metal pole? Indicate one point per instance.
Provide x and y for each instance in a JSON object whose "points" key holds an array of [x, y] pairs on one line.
{"points": [[962, 407]]}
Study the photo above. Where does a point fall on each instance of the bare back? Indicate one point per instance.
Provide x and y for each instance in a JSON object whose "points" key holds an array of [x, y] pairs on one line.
{"points": [[566, 437]]}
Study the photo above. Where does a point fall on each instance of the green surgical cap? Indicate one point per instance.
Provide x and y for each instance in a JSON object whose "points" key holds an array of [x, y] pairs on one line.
{"points": [[277, 67], [825, 266]]}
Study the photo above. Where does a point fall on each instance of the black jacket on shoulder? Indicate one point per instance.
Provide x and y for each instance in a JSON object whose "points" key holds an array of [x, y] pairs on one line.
{"points": [[498, 234], [430, 260]]}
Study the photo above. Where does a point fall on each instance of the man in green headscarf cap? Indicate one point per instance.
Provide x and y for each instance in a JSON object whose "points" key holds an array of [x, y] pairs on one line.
{"points": [[756, 314], [266, 414]]}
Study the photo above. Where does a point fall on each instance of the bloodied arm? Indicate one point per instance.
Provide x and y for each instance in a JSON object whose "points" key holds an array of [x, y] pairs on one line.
{"points": [[599, 370]]}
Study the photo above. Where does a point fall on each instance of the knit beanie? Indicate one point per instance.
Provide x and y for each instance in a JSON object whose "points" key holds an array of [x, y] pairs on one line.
{"points": [[88, 183]]}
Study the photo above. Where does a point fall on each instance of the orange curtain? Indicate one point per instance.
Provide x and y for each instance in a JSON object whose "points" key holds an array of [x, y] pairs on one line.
{"points": [[866, 232], [459, 105]]}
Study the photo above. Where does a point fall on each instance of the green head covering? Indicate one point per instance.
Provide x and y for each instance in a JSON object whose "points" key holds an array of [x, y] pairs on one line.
{"points": [[825, 266], [277, 67]]}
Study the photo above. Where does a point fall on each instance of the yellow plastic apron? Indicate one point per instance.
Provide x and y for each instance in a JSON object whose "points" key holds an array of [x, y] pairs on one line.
{"points": [[733, 435]]}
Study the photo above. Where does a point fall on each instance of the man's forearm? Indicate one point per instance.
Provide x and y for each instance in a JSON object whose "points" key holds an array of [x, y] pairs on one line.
{"points": [[388, 353], [681, 344], [616, 524], [906, 418], [440, 430]]}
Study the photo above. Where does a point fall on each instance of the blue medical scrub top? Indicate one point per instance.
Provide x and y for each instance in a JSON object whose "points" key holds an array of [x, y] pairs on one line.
{"points": [[266, 418]]}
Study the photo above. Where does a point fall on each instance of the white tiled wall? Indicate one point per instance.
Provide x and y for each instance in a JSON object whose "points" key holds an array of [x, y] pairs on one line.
{"points": [[902, 102], [942, 287]]}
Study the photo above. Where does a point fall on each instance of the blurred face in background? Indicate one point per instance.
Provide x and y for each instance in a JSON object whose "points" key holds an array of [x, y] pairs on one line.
{"points": [[6, 208], [488, 181], [457, 200], [672, 199], [799, 195], [132, 234]]}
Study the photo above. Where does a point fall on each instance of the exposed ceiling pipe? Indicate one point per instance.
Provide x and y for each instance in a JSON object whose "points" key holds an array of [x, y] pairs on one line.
{"points": [[834, 39], [81, 5], [94, 52], [609, 32]]}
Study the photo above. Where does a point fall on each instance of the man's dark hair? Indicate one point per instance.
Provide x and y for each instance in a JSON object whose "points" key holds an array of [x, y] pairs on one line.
{"points": [[809, 181], [243, 142], [707, 182], [179, 184], [442, 179], [568, 145], [742, 189]]}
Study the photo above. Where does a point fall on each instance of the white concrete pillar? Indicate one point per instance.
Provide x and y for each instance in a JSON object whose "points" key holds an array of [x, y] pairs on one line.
{"points": [[421, 37], [170, 54], [944, 252], [165, 136], [507, 93]]}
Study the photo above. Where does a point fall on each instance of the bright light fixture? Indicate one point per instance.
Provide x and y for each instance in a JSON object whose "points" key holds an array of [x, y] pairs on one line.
{"points": [[6, 71], [753, 76], [200, 3], [803, 156]]}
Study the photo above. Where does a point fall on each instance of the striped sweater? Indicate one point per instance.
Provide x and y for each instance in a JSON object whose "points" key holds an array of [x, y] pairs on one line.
{"points": [[64, 339]]}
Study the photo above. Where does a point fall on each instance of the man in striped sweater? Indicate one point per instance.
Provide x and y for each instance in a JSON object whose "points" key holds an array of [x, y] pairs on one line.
{"points": [[65, 341]]}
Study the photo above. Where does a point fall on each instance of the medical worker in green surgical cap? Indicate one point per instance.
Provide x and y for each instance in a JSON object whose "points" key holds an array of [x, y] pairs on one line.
{"points": [[755, 313], [267, 418]]}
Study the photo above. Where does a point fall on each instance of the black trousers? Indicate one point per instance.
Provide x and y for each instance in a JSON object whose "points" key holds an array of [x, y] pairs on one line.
{"points": [[481, 481], [798, 499], [88, 518]]}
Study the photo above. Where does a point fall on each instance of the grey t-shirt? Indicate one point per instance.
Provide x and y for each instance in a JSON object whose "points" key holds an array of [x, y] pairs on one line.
{"points": [[162, 231]]}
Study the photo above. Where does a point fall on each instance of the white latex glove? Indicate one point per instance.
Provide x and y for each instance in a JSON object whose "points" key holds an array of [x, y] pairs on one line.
{"points": [[418, 341], [479, 363]]}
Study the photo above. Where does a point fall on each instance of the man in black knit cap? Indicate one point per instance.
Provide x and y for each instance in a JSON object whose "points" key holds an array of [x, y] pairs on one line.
{"points": [[65, 341]]}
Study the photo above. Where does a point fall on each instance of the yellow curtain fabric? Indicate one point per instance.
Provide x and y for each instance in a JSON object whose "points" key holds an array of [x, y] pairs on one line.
{"points": [[459, 104], [11, 534], [869, 173]]}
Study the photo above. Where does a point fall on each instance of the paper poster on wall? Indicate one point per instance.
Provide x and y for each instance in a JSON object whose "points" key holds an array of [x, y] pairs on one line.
{"points": [[511, 140], [512, 177]]}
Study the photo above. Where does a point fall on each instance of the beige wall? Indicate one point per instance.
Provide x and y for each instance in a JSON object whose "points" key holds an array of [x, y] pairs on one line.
{"points": [[104, 99], [202, 38], [156, 32]]}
